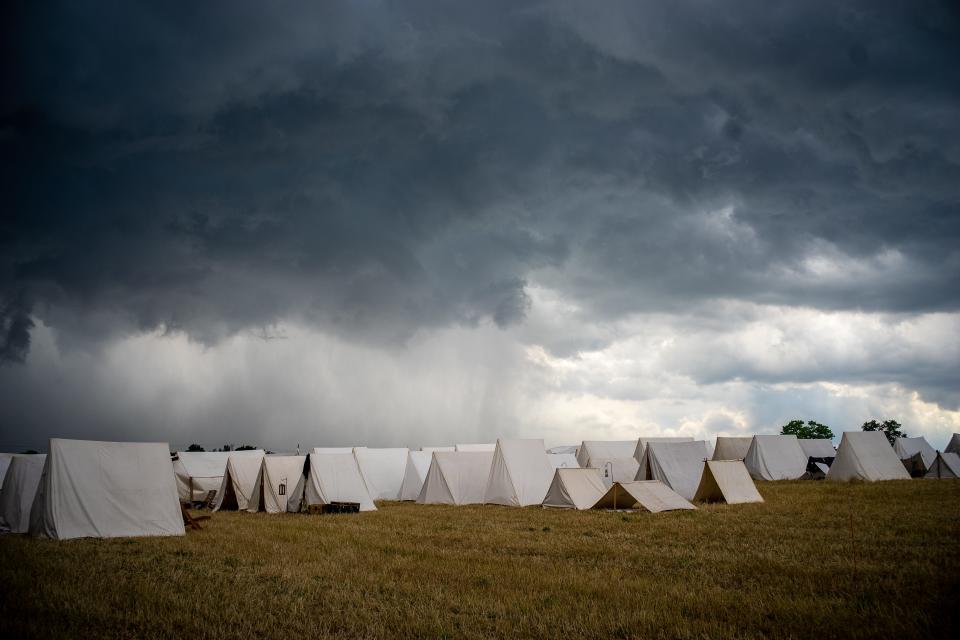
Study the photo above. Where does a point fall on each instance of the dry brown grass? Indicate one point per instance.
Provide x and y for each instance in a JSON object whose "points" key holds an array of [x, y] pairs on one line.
{"points": [[788, 568]]}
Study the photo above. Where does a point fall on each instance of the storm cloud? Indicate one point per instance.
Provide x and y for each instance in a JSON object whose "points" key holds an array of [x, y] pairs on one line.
{"points": [[770, 188]]}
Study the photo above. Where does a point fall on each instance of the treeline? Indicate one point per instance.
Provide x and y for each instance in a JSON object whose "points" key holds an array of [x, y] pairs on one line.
{"points": [[812, 429]]}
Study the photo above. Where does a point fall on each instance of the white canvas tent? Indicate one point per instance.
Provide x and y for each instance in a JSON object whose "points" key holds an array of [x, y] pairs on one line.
{"points": [[866, 455], [775, 458], [484, 447], [432, 449], [19, 490], [418, 463], [574, 488], [383, 471], [616, 469], [907, 448], [945, 465], [651, 495], [678, 465], [331, 477], [458, 477], [199, 472], [954, 445], [732, 447], [106, 490], [593, 452], [323, 450], [726, 481], [564, 448], [641, 448], [5, 460], [563, 461], [279, 475], [238, 483], [520, 473], [817, 447]]}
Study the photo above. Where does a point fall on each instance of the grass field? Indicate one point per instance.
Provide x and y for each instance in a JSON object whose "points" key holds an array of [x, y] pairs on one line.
{"points": [[819, 560]]}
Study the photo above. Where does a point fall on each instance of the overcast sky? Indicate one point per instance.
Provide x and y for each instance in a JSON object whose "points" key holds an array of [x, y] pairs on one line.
{"points": [[420, 223]]}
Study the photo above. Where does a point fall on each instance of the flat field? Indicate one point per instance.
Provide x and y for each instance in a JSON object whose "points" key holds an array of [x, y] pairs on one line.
{"points": [[816, 560]]}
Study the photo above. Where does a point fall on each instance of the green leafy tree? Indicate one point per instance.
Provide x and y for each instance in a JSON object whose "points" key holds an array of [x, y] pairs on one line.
{"points": [[806, 430], [195, 447], [890, 428]]}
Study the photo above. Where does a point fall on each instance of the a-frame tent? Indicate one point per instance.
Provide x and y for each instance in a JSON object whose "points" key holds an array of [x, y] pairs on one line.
{"points": [[200, 472], [916, 454], [775, 458], [483, 447], [574, 488], [5, 460], [331, 477], [817, 448], [678, 465], [278, 476], [19, 490], [954, 445], [593, 453], [650, 495], [946, 465], [866, 455], [732, 447], [520, 473], [456, 477], [726, 481], [239, 479], [105, 490], [563, 461], [382, 470], [418, 463], [642, 442]]}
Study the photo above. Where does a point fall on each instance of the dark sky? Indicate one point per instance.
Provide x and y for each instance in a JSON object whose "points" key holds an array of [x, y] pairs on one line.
{"points": [[425, 222]]}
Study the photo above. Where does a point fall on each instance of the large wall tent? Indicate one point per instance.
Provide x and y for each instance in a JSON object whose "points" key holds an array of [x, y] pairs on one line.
{"points": [[866, 455], [383, 470], [19, 490], [331, 477], [945, 465], [726, 481], [483, 447], [650, 495], [641, 448], [200, 472], [520, 473], [678, 465], [106, 490], [916, 454], [776, 458], [954, 445], [279, 475], [574, 488], [817, 447], [418, 463], [458, 477], [239, 480], [563, 461], [732, 447]]}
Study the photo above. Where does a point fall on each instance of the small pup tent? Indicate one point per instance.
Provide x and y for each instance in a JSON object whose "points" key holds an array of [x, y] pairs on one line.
{"points": [[954, 445], [651, 495], [200, 472], [278, 477], [946, 465], [866, 455], [732, 447], [817, 448], [574, 488], [19, 490], [418, 463], [563, 461], [485, 447], [593, 452], [642, 443], [238, 483], [106, 490], [916, 454], [331, 477], [678, 465], [383, 471], [457, 477], [726, 481], [520, 473], [775, 458]]}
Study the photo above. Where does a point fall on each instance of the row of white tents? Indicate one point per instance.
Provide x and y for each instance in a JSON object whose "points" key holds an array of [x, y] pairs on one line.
{"points": [[106, 489]]}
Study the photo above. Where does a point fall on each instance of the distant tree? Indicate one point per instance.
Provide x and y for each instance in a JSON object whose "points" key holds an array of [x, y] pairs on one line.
{"points": [[890, 428], [245, 447], [806, 430], [30, 452], [195, 447]]}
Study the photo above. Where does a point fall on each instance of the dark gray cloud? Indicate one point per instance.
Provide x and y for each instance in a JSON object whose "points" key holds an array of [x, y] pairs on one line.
{"points": [[375, 169]]}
